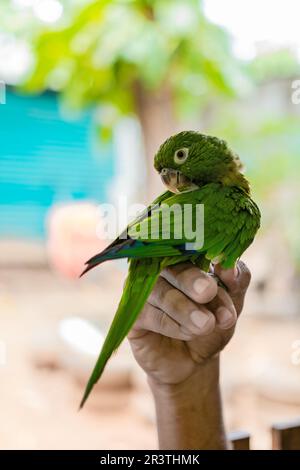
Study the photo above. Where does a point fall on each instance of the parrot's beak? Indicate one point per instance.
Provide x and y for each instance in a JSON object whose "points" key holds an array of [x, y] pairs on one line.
{"points": [[176, 181]]}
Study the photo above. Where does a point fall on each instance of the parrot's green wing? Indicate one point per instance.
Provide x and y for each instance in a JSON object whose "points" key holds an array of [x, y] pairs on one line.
{"points": [[122, 242], [231, 220]]}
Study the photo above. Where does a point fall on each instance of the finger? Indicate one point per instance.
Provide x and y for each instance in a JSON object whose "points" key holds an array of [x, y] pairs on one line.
{"points": [[225, 311], [153, 319], [195, 319], [193, 282], [236, 280]]}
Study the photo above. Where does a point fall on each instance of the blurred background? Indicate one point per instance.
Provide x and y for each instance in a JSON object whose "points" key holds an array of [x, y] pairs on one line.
{"points": [[89, 89]]}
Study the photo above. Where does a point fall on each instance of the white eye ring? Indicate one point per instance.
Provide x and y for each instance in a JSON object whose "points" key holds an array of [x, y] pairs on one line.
{"points": [[181, 155]]}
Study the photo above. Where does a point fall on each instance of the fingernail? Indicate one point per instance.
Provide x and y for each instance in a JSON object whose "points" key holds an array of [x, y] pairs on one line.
{"points": [[225, 317], [200, 285], [199, 318]]}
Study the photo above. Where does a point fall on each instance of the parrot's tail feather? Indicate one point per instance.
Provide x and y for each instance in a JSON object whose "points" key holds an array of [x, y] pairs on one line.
{"points": [[131, 249], [140, 281], [113, 251]]}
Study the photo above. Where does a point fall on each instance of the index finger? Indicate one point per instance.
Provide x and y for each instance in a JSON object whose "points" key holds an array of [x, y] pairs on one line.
{"points": [[193, 282]]}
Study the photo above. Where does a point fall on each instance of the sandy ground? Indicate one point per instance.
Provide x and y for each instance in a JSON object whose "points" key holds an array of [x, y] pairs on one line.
{"points": [[42, 380]]}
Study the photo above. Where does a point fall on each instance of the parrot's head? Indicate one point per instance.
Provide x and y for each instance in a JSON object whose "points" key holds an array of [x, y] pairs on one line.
{"points": [[189, 160]]}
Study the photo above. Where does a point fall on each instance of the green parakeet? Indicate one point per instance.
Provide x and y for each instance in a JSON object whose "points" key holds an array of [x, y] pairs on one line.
{"points": [[197, 170]]}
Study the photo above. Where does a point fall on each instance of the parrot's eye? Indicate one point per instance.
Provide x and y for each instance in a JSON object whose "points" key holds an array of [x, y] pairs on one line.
{"points": [[181, 155]]}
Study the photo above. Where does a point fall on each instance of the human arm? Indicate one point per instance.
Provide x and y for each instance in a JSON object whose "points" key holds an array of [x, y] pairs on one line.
{"points": [[179, 351]]}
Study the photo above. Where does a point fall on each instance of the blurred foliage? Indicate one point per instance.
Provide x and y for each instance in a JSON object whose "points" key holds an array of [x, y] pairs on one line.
{"points": [[264, 130], [110, 47], [22, 22], [280, 63], [101, 51]]}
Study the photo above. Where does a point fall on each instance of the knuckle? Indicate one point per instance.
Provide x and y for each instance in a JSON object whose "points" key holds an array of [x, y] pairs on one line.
{"points": [[162, 322], [144, 318], [172, 273], [146, 312], [176, 269], [153, 320], [158, 291], [172, 299]]}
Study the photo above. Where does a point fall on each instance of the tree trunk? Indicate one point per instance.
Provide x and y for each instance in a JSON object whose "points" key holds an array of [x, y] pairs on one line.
{"points": [[155, 111]]}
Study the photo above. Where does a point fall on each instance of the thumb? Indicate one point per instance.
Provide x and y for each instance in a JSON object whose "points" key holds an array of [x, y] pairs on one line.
{"points": [[236, 280]]}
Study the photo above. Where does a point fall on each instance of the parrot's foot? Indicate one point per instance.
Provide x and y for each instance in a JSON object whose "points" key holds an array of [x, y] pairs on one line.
{"points": [[218, 281]]}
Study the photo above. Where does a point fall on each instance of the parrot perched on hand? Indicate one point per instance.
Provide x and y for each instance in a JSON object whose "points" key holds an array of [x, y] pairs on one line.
{"points": [[196, 169]]}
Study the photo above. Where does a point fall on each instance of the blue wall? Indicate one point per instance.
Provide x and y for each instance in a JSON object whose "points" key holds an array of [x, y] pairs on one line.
{"points": [[45, 159]]}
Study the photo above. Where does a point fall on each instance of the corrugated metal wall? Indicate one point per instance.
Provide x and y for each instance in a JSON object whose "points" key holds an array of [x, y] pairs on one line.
{"points": [[45, 159]]}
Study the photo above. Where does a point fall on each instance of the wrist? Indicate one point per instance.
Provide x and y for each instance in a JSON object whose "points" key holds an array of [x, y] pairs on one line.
{"points": [[205, 376], [189, 413]]}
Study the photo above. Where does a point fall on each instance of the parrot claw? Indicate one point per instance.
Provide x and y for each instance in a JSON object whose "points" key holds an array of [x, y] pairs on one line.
{"points": [[218, 281]]}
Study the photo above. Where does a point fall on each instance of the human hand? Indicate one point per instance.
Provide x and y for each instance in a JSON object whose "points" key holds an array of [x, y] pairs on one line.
{"points": [[187, 320]]}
